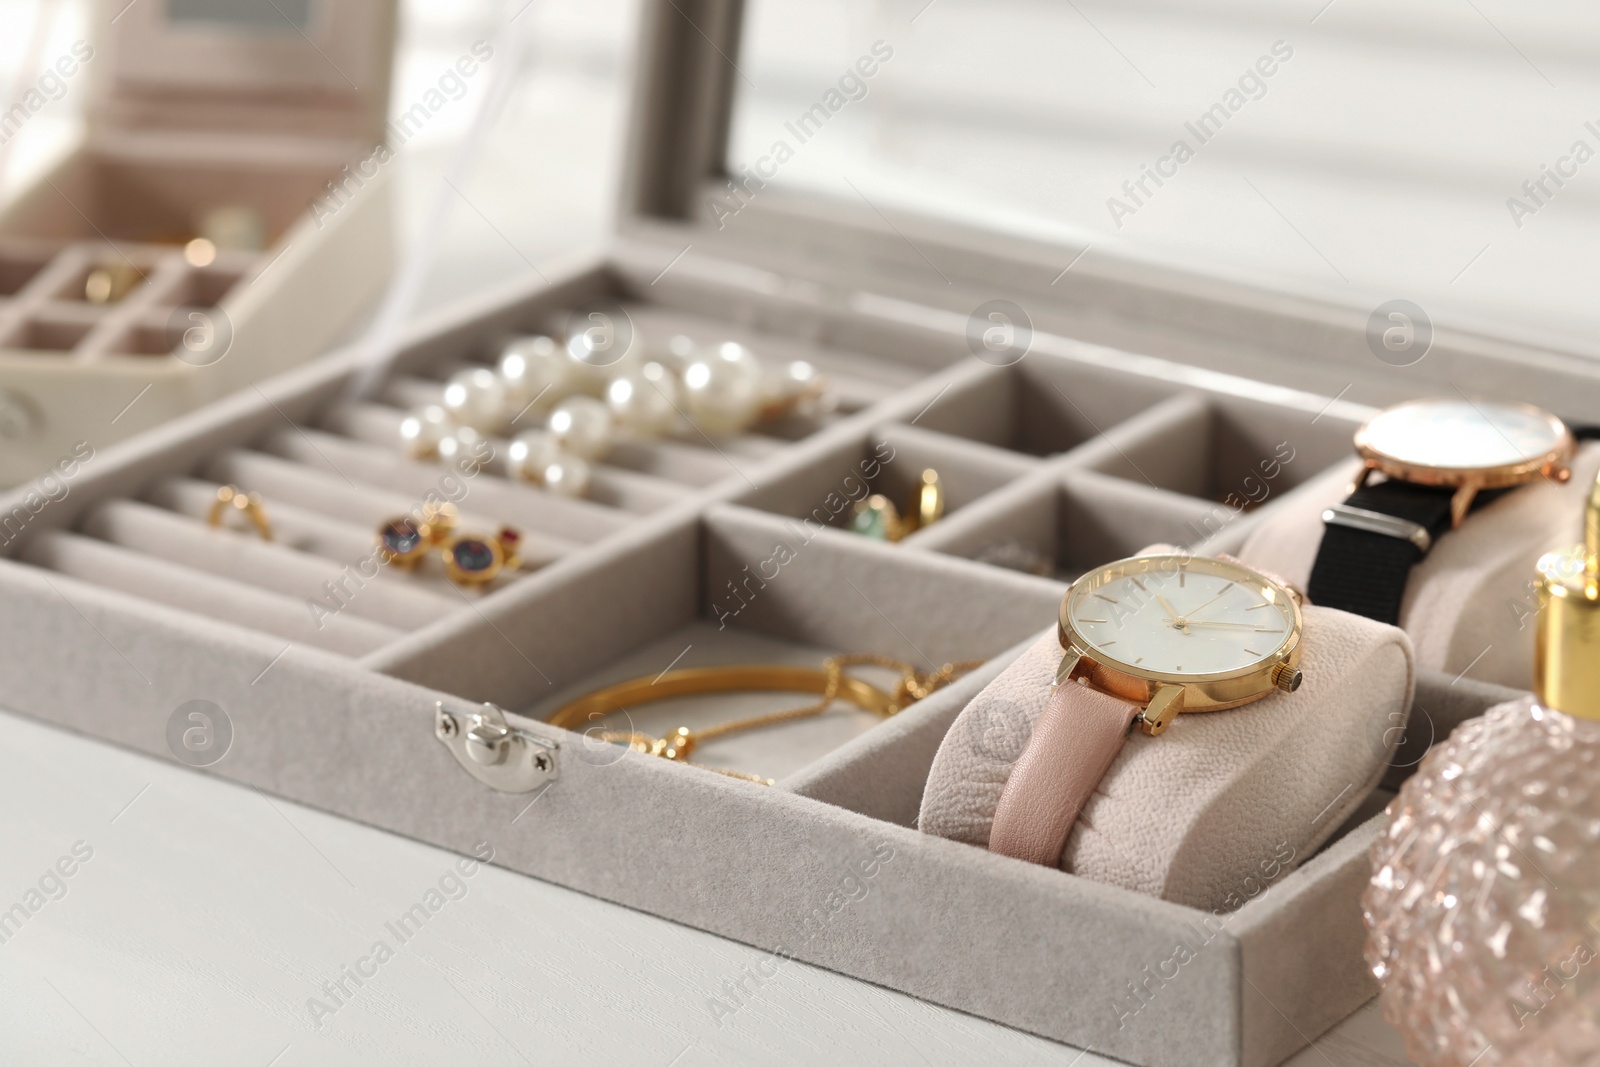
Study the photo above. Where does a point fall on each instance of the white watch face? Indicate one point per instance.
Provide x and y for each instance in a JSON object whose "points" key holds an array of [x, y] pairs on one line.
{"points": [[1180, 615], [1462, 434]]}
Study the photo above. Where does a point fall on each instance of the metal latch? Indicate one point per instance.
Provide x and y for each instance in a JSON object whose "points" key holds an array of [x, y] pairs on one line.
{"points": [[500, 756]]}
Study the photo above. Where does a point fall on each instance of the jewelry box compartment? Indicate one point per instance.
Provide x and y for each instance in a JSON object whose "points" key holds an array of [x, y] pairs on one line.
{"points": [[226, 216], [742, 587], [88, 299], [104, 242]]}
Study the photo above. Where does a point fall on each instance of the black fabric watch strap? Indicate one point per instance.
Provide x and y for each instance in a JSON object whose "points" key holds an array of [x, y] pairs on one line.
{"points": [[1364, 572]]}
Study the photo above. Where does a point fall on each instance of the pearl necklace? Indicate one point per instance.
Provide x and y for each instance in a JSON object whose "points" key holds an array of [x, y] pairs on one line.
{"points": [[712, 392]]}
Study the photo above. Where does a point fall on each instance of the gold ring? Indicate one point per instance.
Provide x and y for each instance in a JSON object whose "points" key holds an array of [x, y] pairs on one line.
{"points": [[231, 496], [472, 559], [405, 541]]}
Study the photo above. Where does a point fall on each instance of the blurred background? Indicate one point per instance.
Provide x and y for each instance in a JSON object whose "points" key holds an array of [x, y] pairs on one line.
{"points": [[1383, 156], [544, 180]]}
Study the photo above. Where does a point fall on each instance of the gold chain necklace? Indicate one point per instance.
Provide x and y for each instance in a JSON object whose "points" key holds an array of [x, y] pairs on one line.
{"points": [[830, 682]]}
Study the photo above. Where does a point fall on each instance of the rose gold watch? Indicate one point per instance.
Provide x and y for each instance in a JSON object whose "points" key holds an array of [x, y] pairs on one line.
{"points": [[1424, 465], [1144, 639]]}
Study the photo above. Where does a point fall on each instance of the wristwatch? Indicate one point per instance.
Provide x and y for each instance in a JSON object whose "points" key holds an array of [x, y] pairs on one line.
{"points": [[1438, 458], [1143, 639]]}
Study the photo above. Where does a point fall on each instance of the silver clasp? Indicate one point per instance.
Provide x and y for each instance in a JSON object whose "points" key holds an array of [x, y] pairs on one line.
{"points": [[496, 754]]}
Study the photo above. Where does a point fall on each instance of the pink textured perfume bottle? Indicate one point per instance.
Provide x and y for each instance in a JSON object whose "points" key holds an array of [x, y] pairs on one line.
{"points": [[1483, 913]]}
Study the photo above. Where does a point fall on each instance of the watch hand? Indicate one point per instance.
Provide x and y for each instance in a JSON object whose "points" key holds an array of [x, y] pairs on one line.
{"points": [[1208, 603], [1173, 615]]}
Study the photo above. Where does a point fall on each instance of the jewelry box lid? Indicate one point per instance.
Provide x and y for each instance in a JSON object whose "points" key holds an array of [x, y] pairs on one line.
{"points": [[293, 68], [688, 209]]}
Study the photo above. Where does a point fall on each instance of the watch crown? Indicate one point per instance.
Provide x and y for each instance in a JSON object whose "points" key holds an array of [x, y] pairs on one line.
{"points": [[1287, 678]]}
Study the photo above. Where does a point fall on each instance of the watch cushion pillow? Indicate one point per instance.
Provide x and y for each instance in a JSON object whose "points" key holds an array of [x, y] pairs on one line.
{"points": [[1469, 604], [1220, 804]]}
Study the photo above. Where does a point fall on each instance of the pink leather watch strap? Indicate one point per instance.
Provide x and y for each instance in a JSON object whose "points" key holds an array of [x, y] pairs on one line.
{"points": [[1073, 743]]}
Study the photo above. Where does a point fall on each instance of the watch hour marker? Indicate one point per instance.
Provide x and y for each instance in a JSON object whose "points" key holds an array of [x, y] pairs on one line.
{"points": [[1138, 661], [1268, 630], [1253, 652], [1138, 583], [1091, 620], [1258, 607], [1103, 644], [1108, 600]]}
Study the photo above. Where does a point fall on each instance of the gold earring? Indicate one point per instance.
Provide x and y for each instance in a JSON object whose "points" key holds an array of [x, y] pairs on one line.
{"points": [[248, 504], [877, 517], [927, 503], [472, 560], [405, 541]]}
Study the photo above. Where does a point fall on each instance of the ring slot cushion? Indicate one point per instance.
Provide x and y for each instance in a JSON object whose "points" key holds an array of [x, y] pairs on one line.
{"points": [[1222, 801], [1468, 604]]}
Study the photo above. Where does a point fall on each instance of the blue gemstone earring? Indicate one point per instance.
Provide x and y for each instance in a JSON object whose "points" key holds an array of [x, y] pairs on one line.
{"points": [[405, 541], [472, 559]]}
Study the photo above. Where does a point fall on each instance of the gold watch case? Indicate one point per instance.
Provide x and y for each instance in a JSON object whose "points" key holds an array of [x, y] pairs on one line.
{"points": [[1552, 462], [1162, 695]]}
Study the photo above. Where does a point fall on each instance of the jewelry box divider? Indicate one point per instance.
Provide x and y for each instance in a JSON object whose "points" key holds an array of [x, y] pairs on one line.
{"points": [[20, 262], [889, 460], [1187, 468], [44, 307]]}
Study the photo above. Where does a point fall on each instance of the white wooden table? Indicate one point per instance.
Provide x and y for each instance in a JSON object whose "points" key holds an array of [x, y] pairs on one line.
{"points": [[210, 916]]}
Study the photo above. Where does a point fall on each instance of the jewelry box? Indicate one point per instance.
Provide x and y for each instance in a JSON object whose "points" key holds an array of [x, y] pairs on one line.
{"points": [[1146, 406], [255, 125]]}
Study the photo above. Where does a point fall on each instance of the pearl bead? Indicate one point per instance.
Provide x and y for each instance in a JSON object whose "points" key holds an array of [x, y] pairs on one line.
{"points": [[477, 398], [647, 402], [583, 426], [680, 349], [567, 476], [533, 371], [537, 457], [796, 387], [530, 453], [722, 389], [422, 430], [463, 446], [593, 358]]}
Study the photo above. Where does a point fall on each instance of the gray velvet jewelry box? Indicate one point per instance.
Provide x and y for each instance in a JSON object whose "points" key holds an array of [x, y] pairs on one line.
{"points": [[120, 606]]}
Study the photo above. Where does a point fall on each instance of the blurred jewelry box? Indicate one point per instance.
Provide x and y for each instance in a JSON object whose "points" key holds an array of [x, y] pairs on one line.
{"points": [[225, 217], [1127, 404]]}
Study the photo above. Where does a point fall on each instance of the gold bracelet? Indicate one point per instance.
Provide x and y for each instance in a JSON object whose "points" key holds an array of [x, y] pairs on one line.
{"points": [[829, 681]]}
